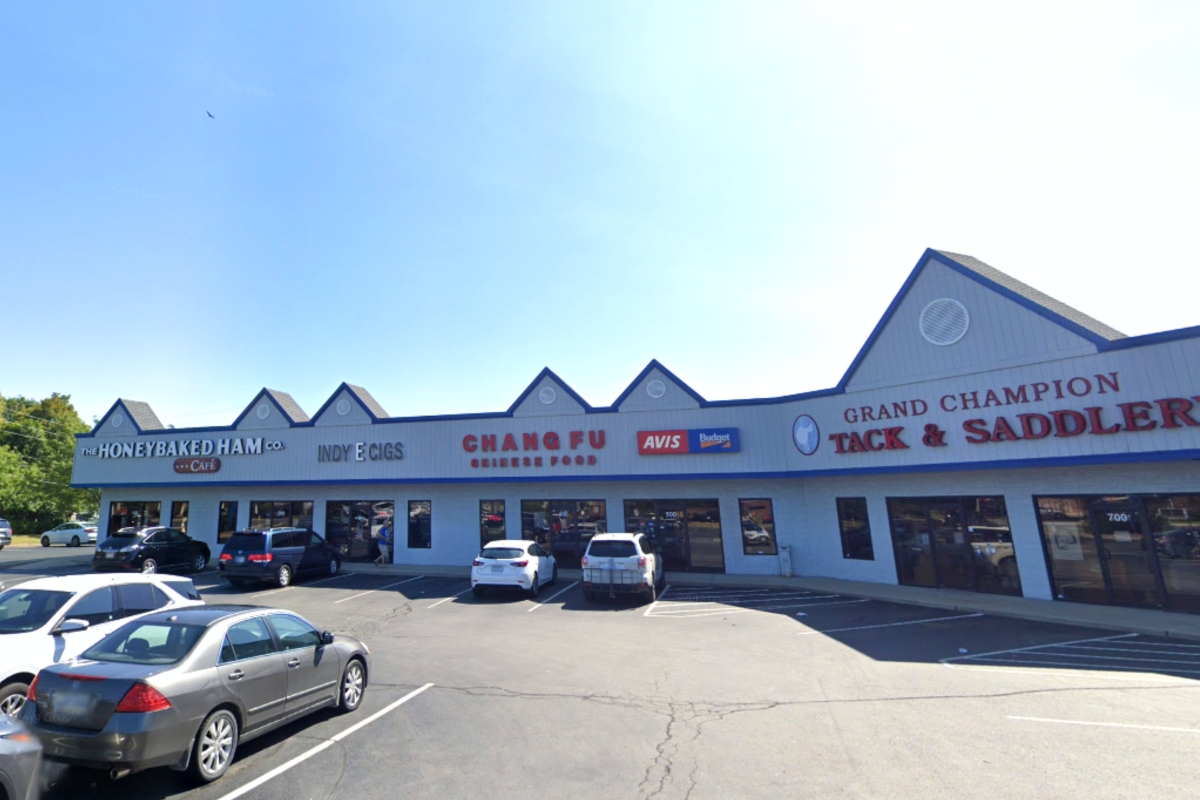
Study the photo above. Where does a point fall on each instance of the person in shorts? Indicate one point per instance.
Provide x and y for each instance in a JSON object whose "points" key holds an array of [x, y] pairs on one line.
{"points": [[384, 542]]}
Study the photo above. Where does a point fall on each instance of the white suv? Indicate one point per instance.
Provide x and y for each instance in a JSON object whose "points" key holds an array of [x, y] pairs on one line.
{"points": [[50, 620], [621, 563]]}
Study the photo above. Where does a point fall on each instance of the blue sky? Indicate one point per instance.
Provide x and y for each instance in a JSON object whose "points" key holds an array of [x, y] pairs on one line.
{"points": [[436, 200]]}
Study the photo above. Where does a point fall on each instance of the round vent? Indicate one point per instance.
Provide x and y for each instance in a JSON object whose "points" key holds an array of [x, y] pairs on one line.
{"points": [[547, 395], [656, 389], [263, 411], [117, 419], [806, 435], [343, 407], [944, 321]]}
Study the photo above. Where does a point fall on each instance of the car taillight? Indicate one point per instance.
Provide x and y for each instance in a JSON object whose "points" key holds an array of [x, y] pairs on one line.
{"points": [[524, 563], [583, 562], [477, 562], [259, 558], [226, 557], [31, 692], [642, 561], [142, 698]]}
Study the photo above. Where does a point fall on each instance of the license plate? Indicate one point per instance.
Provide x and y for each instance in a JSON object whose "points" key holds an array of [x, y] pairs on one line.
{"points": [[239, 559], [71, 705], [498, 568], [110, 554]]}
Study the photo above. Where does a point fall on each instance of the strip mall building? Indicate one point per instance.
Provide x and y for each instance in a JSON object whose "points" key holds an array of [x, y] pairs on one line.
{"points": [[986, 438]]}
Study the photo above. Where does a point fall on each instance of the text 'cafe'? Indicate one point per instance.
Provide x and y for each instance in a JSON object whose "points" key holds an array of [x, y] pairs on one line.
{"points": [[986, 438]]}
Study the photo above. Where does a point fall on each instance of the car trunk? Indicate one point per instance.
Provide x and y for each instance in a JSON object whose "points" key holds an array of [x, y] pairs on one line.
{"points": [[85, 696], [613, 564], [242, 545]]}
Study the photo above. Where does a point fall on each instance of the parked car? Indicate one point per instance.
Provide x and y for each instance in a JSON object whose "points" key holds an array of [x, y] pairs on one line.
{"points": [[6, 534], [71, 534], [513, 563], [147, 695], [622, 563], [48, 620], [150, 550], [276, 556], [20, 761]]}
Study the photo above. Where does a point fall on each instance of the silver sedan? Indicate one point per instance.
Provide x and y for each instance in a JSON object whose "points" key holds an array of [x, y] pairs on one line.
{"points": [[20, 759], [184, 688]]}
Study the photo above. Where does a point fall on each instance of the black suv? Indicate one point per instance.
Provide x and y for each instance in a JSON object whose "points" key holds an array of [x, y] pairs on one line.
{"points": [[276, 555], [155, 549]]}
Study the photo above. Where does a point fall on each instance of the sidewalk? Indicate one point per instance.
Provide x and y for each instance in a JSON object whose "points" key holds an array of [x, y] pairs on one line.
{"points": [[1115, 618]]}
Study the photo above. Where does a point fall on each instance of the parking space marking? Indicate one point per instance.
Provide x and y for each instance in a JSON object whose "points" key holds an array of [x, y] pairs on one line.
{"points": [[380, 589], [661, 595], [1108, 724], [306, 583], [892, 624], [330, 742], [556, 594], [689, 604], [451, 597], [1138, 660], [977, 656]]}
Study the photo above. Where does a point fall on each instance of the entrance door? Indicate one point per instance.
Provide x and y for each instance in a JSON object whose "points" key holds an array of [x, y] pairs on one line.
{"points": [[1125, 554], [952, 549], [687, 532]]}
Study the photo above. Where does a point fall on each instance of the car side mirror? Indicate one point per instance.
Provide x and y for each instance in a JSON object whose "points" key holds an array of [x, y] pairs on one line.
{"points": [[326, 637], [69, 625]]}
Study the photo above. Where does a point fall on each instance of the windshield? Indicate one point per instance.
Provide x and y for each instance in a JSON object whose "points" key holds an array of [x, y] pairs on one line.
{"points": [[252, 542], [501, 552], [24, 610], [147, 643], [612, 549]]}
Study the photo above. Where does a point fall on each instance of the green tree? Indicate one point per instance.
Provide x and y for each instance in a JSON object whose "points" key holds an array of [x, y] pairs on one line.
{"points": [[37, 450]]}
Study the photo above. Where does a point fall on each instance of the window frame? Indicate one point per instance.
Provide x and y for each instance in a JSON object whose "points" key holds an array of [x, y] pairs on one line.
{"points": [[838, 501], [743, 514]]}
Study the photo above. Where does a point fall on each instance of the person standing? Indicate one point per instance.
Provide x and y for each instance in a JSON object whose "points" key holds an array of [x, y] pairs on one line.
{"points": [[384, 542]]}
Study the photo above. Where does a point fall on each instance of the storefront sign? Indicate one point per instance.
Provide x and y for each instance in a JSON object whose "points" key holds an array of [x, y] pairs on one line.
{"points": [[183, 448], [190, 466], [361, 451], [679, 442], [530, 443]]}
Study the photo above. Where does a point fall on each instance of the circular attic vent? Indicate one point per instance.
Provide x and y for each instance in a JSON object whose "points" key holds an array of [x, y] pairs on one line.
{"points": [[117, 419], [547, 395], [264, 411], [656, 389], [343, 407], [944, 321]]}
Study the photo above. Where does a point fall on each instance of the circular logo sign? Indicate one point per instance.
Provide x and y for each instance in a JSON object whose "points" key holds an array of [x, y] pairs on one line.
{"points": [[806, 434]]}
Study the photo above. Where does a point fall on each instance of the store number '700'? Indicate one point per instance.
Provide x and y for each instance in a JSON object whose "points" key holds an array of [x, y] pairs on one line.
{"points": [[1117, 517]]}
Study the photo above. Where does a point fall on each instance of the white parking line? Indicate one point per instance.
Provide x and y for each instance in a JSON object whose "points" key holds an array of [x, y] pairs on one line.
{"points": [[1108, 724], [742, 600], [330, 742], [661, 595], [977, 656], [306, 583], [451, 597], [380, 589], [892, 624], [556, 594]]}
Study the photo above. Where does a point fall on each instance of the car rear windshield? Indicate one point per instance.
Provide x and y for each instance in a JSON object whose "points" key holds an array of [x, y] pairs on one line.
{"points": [[24, 610], [147, 643], [249, 542], [612, 549], [501, 552], [185, 588], [125, 533]]}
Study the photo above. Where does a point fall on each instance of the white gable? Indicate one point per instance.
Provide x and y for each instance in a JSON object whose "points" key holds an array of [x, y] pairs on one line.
{"points": [[343, 410], [548, 398], [1000, 333], [264, 414], [656, 391]]}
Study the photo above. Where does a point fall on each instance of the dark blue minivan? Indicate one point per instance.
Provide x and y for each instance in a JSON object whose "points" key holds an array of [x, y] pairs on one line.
{"points": [[276, 555]]}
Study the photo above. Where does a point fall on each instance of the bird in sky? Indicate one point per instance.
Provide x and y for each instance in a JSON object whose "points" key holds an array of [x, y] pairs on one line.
{"points": [[210, 114]]}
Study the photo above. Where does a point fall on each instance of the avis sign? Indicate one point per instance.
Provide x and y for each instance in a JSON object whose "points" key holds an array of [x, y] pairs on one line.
{"points": [[683, 442]]}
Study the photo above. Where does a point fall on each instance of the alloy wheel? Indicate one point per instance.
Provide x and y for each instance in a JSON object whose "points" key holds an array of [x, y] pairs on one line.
{"points": [[149, 566], [216, 745], [12, 705], [352, 686]]}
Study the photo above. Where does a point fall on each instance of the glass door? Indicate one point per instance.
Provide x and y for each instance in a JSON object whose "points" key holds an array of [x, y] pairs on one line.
{"points": [[686, 532], [954, 555], [706, 551], [911, 543], [1124, 549]]}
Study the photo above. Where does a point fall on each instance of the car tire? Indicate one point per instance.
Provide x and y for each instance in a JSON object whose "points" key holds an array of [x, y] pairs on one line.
{"points": [[12, 698], [74, 541], [477, 591], [554, 576], [45, 541], [237, 583], [651, 593], [535, 586], [334, 566], [284, 576], [199, 562], [589, 595], [215, 747], [149, 566], [352, 687]]}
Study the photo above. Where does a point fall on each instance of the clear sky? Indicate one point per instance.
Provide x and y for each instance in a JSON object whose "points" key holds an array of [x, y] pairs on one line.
{"points": [[436, 200]]}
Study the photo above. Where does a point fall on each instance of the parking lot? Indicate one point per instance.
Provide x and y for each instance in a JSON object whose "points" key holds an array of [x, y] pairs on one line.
{"points": [[708, 693]]}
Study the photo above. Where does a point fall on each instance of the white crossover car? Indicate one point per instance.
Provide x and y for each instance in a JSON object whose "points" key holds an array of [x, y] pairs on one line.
{"points": [[622, 563], [72, 534], [513, 563], [49, 620]]}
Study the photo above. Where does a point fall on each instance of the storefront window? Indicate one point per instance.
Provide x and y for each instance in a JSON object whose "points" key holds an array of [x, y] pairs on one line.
{"points": [[855, 528], [758, 527], [686, 532], [352, 526], [179, 515], [133, 515], [491, 521], [227, 520], [954, 543], [420, 527], [564, 527], [281, 514]]}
